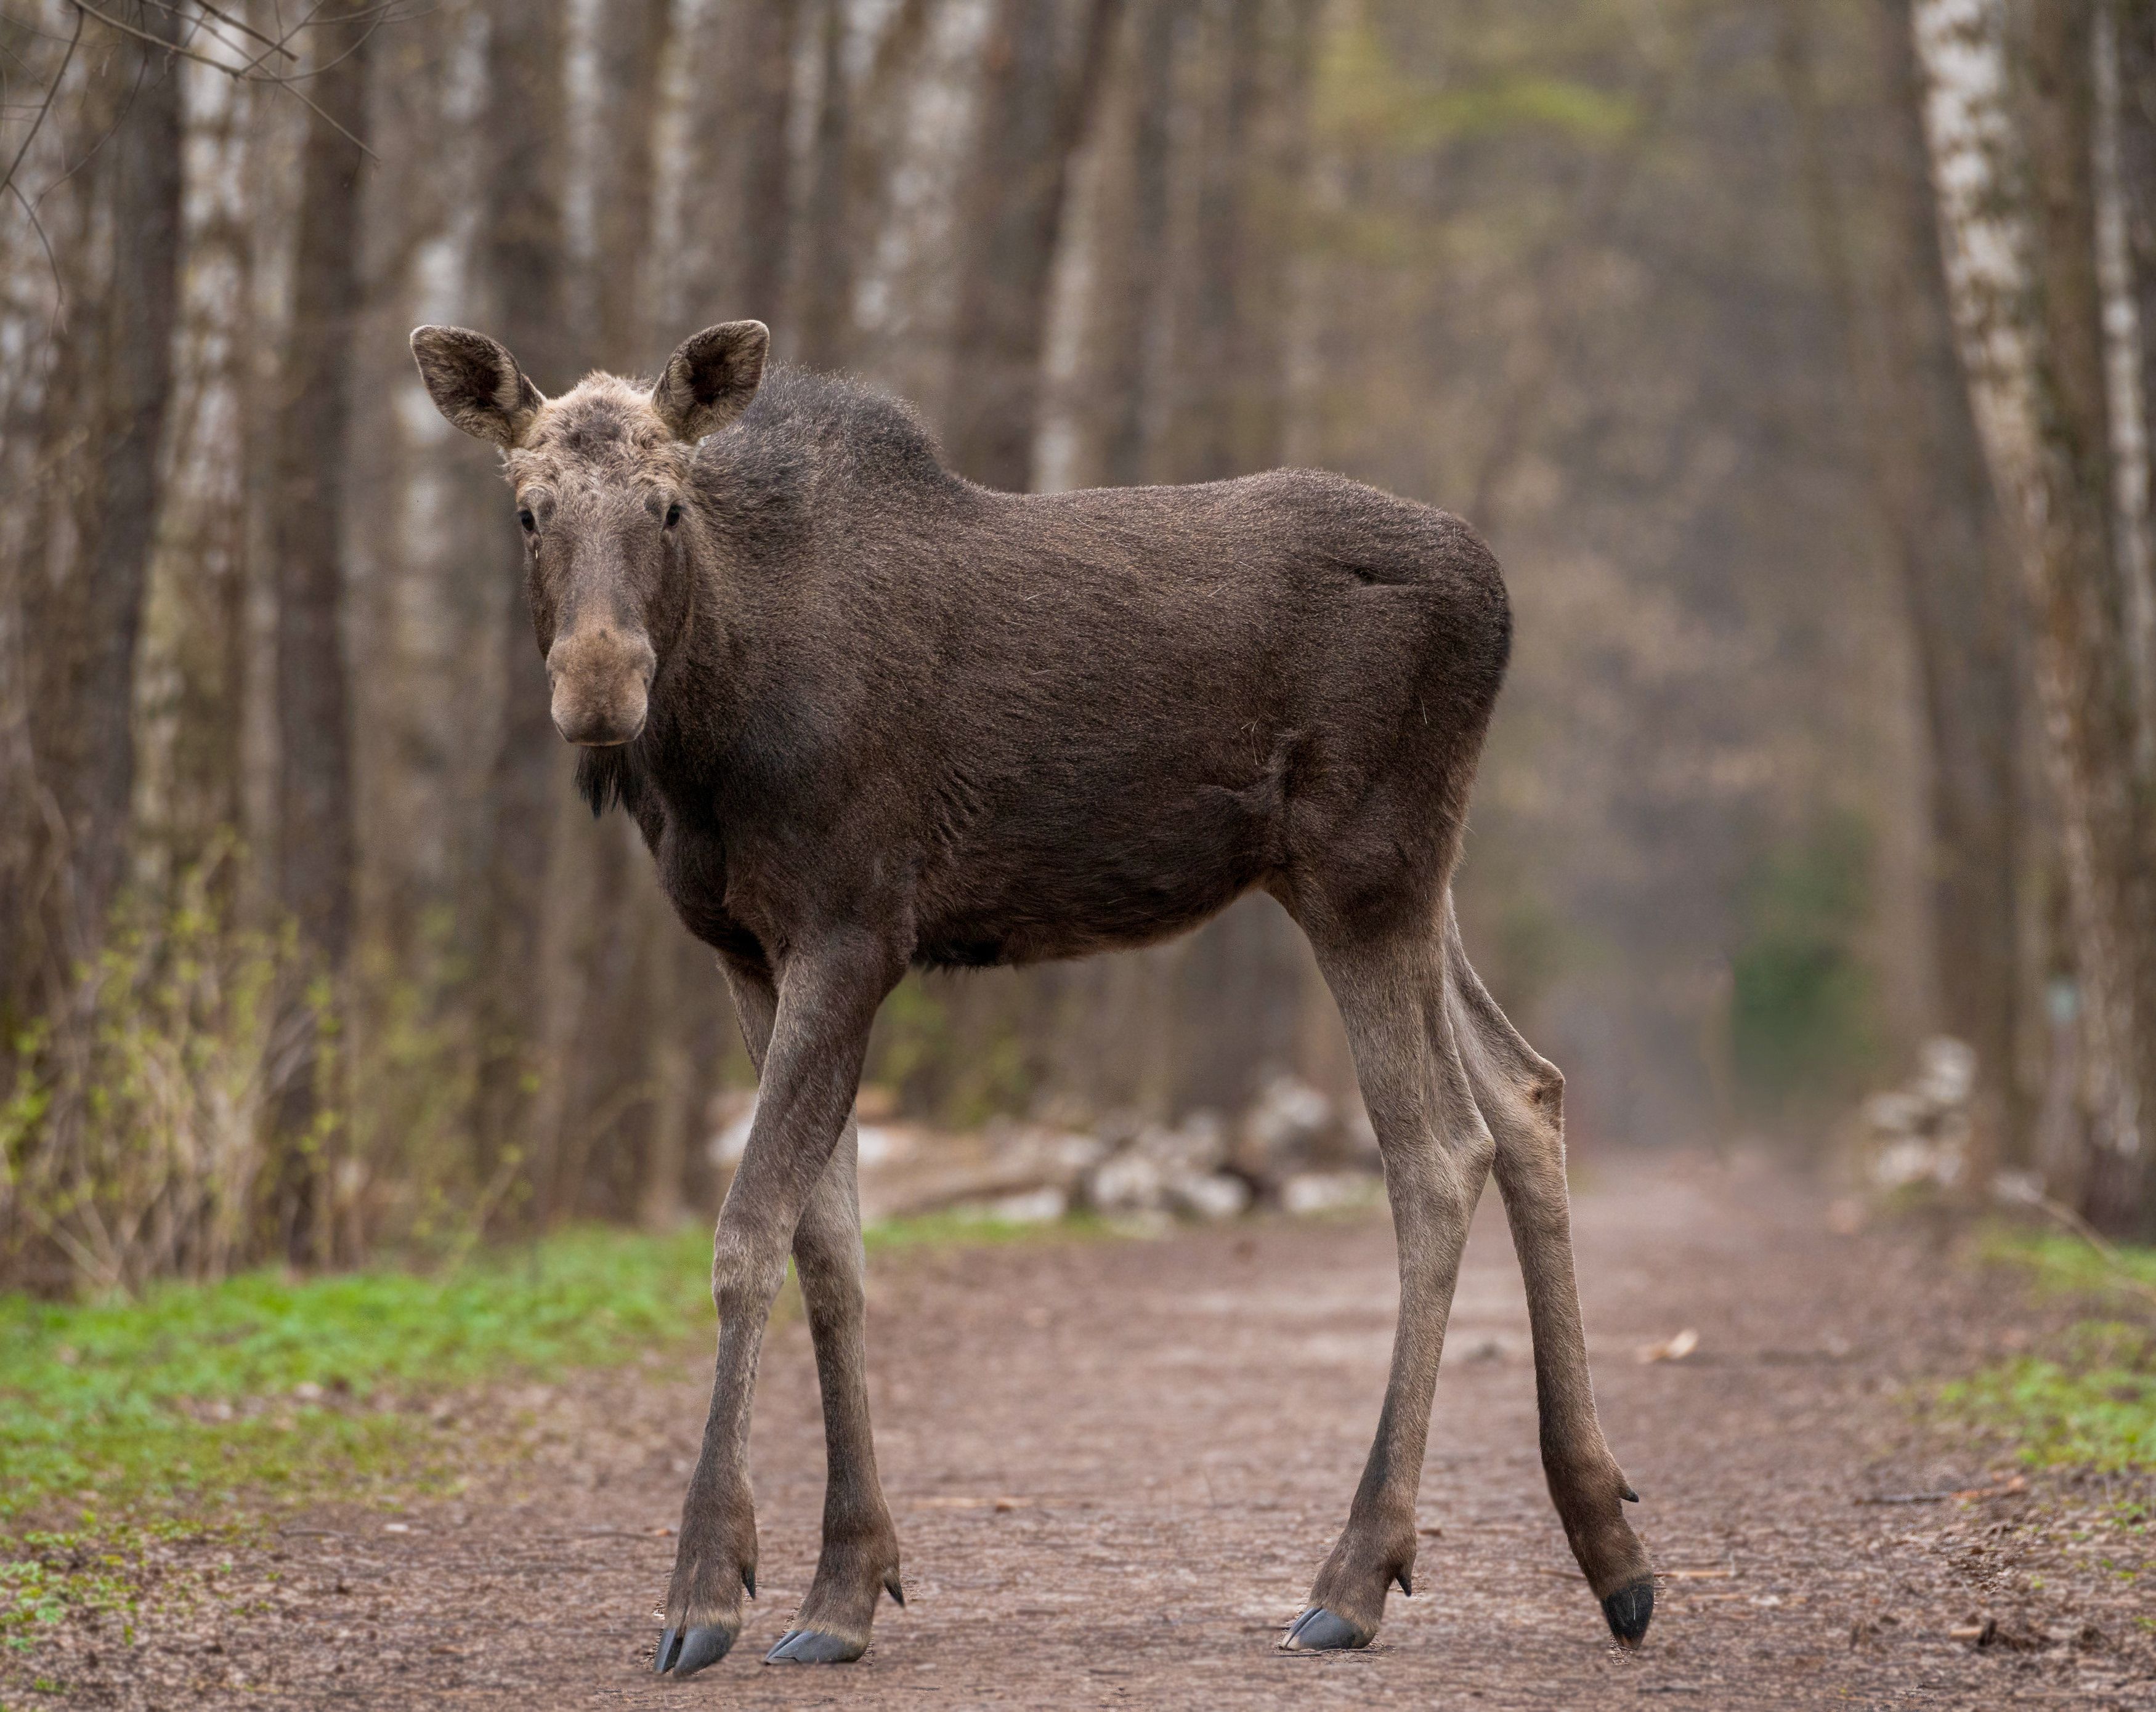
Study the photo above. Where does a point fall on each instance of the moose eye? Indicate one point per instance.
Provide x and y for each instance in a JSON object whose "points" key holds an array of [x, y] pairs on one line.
{"points": [[673, 513], [531, 523]]}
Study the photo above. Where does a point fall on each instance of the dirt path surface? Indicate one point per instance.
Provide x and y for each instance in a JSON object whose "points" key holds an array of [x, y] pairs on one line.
{"points": [[1116, 1464]]}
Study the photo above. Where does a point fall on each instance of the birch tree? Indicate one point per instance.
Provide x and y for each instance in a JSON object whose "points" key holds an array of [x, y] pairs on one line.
{"points": [[1933, 498], [2010, 112]]}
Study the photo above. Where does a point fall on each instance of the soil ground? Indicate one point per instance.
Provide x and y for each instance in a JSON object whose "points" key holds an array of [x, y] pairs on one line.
{"points": [[1115, 1465]]}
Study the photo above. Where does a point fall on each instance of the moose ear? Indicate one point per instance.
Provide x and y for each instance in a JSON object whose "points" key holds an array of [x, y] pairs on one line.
{"points": [[711, 378], [476, 383]]}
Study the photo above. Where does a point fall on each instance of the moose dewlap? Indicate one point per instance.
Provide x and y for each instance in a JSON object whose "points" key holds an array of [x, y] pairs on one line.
{"points": [[868, 716]]}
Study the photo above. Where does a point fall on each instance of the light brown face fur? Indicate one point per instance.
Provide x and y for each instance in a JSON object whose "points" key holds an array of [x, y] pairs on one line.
{"points": [[601, 494], [601, 476]]}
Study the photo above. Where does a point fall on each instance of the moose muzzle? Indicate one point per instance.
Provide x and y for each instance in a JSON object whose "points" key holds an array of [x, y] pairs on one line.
{"points": [[602, 682]]}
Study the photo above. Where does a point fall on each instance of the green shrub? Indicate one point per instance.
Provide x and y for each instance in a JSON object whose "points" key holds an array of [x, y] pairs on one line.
{"points": [[137, 1140], [1803, 1027]]}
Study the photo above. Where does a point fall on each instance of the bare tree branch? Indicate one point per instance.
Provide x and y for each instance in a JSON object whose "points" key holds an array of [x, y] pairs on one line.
{"points": [[44, 110]]}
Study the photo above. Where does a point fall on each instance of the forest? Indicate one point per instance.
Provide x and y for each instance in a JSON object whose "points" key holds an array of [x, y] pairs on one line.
{"points": [[1795, 357]]}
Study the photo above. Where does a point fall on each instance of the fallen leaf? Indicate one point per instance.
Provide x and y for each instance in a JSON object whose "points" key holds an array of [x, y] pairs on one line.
{"points": [[1675, 1349]]}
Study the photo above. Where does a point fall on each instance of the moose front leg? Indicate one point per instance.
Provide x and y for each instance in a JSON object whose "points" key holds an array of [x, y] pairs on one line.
{"points": [[860, 1558], [827, 994]]}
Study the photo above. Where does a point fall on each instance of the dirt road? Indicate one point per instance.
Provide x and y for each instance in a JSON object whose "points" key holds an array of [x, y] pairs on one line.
{"points": [[1115, 1465]]}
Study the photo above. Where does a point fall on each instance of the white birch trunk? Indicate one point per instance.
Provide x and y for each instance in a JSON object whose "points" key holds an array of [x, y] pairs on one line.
{"points": [[2123, 334], [1988, 233]]}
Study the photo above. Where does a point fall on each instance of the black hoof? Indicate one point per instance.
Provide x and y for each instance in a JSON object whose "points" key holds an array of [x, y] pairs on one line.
{"points": [[814, 1647], [1318, 1630], [685, 1651], [1629, 1609]]}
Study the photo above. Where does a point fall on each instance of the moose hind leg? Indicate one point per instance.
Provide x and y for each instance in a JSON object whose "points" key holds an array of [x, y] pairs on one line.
{"points": [[1436, 1154], [859, 1558], [1521, 1096]]}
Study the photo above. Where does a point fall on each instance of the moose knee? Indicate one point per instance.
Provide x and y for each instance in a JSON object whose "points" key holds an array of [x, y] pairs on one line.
{"points": [[831, 1284], [1454, 1182], [1544, 1088], [744, 1278]]}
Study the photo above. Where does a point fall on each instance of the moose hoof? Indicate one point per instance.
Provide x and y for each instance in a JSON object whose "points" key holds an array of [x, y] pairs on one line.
{"points": [[814, 1647], [1629, 1609], [1318, 1630], [685, 1651]]}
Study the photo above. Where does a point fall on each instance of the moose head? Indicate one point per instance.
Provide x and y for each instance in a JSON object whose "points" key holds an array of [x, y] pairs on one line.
{"points": [[602, 480]]}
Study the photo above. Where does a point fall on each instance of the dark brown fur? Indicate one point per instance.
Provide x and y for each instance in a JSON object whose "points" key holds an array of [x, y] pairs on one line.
{"points": [[868, 716]]}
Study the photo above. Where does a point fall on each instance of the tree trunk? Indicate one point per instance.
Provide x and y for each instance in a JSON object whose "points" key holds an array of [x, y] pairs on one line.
{"points": [[2133, 39], [316, 863], [314, 452], [632, 47], [190, 672], [823, 289], [739, 167], [2018, 221], [1934, 501], [105, 413], [1129, 265], [521, 277], [1033, 116]]}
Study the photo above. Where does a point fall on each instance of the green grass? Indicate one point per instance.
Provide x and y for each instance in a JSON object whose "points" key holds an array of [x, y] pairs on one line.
{"points": [[195, 1388], [205, 1407], [2058, 1263], [2088, 1403], [2088, 1399]]}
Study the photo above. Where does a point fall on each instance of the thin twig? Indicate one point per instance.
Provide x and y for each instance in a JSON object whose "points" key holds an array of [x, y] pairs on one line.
{"points": [[299, 95], [52, 261], [246, 74], [2106, 1250], [372, 20], [44, 107], [203, 24], [305, 22], [140, 35], [245, 28]]}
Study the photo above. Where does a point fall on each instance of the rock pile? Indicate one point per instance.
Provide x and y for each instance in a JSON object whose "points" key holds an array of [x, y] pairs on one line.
{"points": [[1918, 1135], [1291, 1149]]}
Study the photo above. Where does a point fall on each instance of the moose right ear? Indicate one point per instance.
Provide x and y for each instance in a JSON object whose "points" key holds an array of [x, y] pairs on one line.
{"points": [[476, 383]]}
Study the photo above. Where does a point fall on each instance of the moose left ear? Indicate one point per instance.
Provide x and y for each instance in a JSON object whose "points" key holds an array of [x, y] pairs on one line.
{"points": [[710, 380]]}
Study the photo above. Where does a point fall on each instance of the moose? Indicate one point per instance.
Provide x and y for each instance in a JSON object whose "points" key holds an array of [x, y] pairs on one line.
{"points": [[868, 716]]}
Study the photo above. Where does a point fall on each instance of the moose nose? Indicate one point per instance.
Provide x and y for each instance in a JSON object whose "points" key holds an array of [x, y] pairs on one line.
{"points": [[602, 683]]}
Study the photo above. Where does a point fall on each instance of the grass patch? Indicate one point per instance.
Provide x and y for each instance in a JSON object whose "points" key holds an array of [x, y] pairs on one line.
{"points": [[2089, 1402], [202, 1407], [2059, 1264], [2088, 1398], [193, 1388]]}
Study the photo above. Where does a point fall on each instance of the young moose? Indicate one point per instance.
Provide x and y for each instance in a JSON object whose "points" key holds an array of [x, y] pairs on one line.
{"points": [[868, 716]]}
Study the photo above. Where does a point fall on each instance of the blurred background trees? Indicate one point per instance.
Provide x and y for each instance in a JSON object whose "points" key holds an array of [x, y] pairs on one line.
{"points": [[1789, 352]]}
